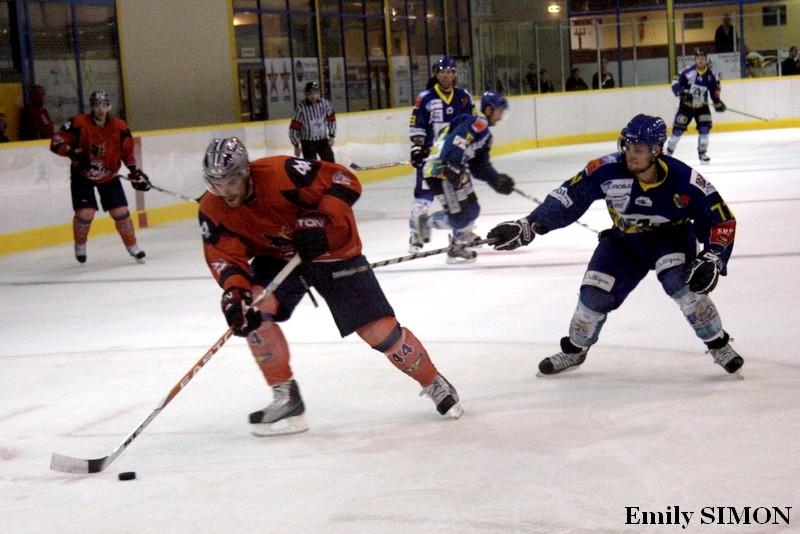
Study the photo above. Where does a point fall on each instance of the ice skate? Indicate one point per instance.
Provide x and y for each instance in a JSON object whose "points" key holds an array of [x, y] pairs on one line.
{"points": [[459, 253], [728, 358], [570, 358], [284, 415], [80, 252], [136, 252], [445, 396], [414, 243], [703, 157]]}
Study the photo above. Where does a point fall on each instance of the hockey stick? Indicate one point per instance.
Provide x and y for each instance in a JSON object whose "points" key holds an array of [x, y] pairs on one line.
{"points": [[161, 190], [357, 167], [747, 114], [414, 256], [69, 464], [539, 202]]}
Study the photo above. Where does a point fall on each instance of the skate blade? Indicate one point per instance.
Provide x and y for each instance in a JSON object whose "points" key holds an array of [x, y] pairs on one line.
{"points": [[459, 261], [290, 425], [551, 375], [455, 411]]}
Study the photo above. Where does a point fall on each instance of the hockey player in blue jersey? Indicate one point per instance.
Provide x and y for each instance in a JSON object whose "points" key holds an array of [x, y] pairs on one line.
{"points": [[693, 87], [463, 144], [434, 108], [660, 208]]}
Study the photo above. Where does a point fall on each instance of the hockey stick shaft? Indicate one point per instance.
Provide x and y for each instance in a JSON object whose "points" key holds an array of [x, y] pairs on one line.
{"points": [[747, 114], [357, 167], [417, 255], [162, 190], [68, 464], [539, 202]]}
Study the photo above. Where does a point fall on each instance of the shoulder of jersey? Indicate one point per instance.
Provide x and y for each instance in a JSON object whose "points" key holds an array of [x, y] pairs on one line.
{"points": [[119, 123], [601, 164], [421, 97], [677, 168], [81, 120], [479, 124]]}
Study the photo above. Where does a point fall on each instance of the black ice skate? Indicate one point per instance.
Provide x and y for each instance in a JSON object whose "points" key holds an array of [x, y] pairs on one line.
{"points": [[570, 358], [703, 157], [136, 253], [724, 354], [444, 396], [80, 253], [284, 415]]}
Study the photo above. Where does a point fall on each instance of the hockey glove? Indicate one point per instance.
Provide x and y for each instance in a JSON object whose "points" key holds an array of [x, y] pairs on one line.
{"points": [[511, 234], [418, 155], [704, 272], [310, 240], [719, 106], [241, 317], [139, 180], [503, 184], [452, 173]]}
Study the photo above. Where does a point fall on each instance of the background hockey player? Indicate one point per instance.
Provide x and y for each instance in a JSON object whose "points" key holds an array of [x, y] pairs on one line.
{"points": [[463, 144], [660, 208], [434, 108], [97, 143], [267, 211], [313, 128], [693, 87]]}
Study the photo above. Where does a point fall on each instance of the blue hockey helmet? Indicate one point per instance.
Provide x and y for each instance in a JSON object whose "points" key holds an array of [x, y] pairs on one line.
{"points": [[444, 63], [494, 99], [644, 129]]}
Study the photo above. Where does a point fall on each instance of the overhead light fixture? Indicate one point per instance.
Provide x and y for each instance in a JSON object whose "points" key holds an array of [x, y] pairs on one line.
{"points": [[554, 8]]}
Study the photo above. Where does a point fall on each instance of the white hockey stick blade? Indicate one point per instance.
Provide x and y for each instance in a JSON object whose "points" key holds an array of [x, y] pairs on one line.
{"points": [[69, 464], [289, 425]]}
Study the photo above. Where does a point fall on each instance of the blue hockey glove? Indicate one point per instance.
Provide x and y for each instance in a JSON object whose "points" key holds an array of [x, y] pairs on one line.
{"points": [[511, 234], [452, 173], [704, 272]]}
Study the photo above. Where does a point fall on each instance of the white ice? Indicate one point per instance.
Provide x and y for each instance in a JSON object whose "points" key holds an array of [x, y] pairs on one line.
{"points": [[649, 421]]}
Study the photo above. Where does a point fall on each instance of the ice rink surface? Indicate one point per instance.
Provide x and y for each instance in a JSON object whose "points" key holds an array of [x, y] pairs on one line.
{"points": [[648, 421]]}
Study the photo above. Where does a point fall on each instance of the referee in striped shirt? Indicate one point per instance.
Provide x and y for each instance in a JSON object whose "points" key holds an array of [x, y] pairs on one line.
{"points": [[314, 126]]}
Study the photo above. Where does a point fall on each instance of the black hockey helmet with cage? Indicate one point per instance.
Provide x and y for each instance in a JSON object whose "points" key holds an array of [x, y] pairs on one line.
{"points": [[99, 96], [311, 87]]}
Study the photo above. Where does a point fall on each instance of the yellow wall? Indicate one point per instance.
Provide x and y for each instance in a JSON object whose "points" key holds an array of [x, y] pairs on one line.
{"points": [[11, 105]]}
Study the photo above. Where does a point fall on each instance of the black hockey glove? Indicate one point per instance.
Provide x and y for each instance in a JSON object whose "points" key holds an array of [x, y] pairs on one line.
{"points": [[452, 173], [139, 180], [704, 272], [503, 184], [310, 240], [511, 234], [241, 317], [719, 106], [418, 155]]}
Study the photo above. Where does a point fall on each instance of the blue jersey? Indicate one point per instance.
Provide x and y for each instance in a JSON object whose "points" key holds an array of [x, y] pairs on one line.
{"points": [[464, 142], [680, 195], [700, 84], [433, 110]]}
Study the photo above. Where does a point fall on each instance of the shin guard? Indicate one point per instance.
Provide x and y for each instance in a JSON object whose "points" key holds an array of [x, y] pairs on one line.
{"points": [[80, 229], [124, 226], [407, 353], [585, 326], [701, 313], [271, 352]]}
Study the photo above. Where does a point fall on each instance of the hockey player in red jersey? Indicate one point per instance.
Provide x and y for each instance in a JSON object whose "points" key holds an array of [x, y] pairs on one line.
{"points": [[97, 143], [258, 215]]}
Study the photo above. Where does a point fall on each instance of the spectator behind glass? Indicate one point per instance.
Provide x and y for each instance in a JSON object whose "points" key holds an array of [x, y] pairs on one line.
{"points": [[545, 83], [575, 82], [604, 77], [791, 65], [3, 126], [34, 122], [531, 79], [723, 38]]}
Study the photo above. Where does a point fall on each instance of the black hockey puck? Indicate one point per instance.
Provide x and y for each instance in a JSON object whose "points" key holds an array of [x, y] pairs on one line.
{"points": [[127, 475]]}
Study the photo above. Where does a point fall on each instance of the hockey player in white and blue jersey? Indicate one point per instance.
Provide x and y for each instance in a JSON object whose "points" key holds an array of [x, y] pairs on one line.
{"points": [[434, 108], [463, 144], [693, 87], [660, 208]]}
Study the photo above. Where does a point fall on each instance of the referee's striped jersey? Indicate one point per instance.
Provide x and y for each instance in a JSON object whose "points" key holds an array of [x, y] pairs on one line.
{"points": [[312, 122]]}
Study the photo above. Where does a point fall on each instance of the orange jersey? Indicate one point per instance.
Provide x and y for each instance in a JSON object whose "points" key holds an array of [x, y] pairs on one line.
{"points": [[283, 189], [102, 148]]}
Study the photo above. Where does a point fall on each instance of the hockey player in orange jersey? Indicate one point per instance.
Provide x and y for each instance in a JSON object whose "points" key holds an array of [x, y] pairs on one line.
{"points": [[258, 215], [97, 143]]}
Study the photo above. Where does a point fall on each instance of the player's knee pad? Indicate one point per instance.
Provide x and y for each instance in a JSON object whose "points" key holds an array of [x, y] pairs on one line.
{"points": [[401, 347], [121, 216], [671, 271], [599, 299], [701, 313], [585, 326], [270, 351]]}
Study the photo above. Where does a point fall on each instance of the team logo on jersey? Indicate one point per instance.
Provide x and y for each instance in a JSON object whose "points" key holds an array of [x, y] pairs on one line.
{"points": [[643, 201], [448, 110], [219, 265], [418, 102], [341, 178], [593, 166], [480, 125], [680, 201]]}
